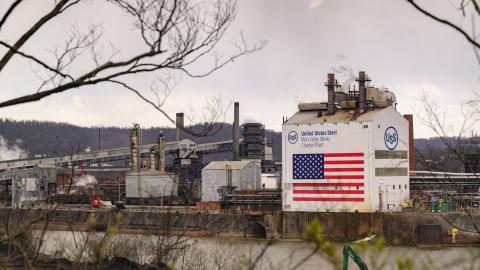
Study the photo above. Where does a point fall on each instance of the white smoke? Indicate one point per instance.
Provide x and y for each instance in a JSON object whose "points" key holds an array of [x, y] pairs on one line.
{"points": [[344, 73], [250, 120], [85, 181], [315, 3], [12, 151]]}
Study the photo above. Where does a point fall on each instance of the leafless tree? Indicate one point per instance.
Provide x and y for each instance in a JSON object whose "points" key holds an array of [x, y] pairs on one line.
{"points": [[463, 6], [174, 36]]}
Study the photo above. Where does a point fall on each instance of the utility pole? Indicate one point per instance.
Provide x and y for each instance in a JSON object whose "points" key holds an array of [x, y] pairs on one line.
{"points": [[99, 161]]}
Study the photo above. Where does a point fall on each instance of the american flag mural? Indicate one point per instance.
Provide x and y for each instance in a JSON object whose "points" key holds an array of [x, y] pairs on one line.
{"points": [[329, 177]]}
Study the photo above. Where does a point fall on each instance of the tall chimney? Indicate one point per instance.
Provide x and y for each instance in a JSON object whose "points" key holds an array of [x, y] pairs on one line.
{"points": [[161, 152], [179, 126], [135, 144], [362, 93], [151, 163], [331, 93], [236, 131], [411, 143]]}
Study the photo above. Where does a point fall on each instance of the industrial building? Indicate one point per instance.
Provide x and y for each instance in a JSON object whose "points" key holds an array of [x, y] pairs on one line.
{"points": [[154, 182], [348, 154], [151, 184], [167, 173], [233, 175], [27, 187], [352, 153]]}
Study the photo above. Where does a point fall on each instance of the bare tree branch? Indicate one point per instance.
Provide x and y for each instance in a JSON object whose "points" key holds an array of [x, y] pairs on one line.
{"points": [[9, 12], [34, 59], [59, 8], [176, 34], [476, 6], [211, 128], [446, 22]]}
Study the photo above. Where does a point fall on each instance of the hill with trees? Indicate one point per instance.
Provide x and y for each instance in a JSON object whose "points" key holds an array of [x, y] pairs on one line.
{"points": [[44, 138], [20, 139]]}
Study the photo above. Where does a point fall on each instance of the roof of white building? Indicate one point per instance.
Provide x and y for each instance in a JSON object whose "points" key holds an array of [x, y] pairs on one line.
{"points": [[148, 173], [222, 165], [340, 116]]}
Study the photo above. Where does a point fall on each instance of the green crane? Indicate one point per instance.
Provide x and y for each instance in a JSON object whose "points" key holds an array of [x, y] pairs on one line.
{"points": [[349, 251]]}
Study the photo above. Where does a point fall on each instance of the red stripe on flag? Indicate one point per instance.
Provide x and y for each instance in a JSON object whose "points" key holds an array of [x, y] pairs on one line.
{"points": [[328, 184], [343, 177], [326, 191], [343, 155], [332, 162], [317, 199], [343, 170]]}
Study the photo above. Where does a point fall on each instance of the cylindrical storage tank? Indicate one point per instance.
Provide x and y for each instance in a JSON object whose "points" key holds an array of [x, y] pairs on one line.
{"points": [[161, 152], [135, 143], [152, 164]]}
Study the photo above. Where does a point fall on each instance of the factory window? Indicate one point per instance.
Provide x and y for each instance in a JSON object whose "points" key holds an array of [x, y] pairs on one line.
{"points": [[399, 186], [395, 154], [405, 186], [393, 186], [391, 172]]}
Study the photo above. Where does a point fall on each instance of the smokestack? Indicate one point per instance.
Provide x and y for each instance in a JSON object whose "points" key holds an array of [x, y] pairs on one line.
{"points": [[331, 93], [179, 125], [411, 143], [161, 152], [135, 144], [362, 93], [152, 164], [236, 131]]}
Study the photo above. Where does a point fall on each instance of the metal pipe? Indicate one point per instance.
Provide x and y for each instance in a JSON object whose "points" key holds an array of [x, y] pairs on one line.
{"points": [[411, 143], [362, 93], [236, 132], [161, 153], [152, 161], [331, 93], [179, 125], [135, 143]]}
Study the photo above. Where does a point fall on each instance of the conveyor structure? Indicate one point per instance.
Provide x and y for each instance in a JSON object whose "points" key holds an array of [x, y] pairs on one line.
{"points": [[122, 153]]}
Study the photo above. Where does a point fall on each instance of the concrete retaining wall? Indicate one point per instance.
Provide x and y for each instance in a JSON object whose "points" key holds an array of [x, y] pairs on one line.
{"points": [[397, 228]]}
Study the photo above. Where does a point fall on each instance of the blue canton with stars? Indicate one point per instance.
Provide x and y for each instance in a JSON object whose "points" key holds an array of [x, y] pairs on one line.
{"points": [[307, 166]]}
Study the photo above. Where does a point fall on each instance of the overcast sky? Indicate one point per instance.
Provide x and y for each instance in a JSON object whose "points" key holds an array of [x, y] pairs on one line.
{"points": [[397, 46]]}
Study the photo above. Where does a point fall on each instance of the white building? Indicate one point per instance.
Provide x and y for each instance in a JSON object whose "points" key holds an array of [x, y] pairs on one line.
{"points": [[271, 180], [346, 159], [243, 175], [151, 184]]}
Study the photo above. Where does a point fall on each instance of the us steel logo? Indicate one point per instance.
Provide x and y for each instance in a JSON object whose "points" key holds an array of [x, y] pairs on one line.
{"points": [[391, 138], [292, 137]]}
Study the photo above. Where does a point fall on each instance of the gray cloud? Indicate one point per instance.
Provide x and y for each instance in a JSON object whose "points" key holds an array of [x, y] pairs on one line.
{"points": [[397, 46]]}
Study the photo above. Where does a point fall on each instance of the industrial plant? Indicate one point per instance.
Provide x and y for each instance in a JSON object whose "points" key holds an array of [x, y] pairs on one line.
{"points": [[351, 153], [163, 174], [347, 154]]}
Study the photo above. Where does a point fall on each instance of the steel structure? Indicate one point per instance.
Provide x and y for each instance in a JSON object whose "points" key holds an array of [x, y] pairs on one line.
{"points": [[459, 182], [254, 140], [112, 154]]}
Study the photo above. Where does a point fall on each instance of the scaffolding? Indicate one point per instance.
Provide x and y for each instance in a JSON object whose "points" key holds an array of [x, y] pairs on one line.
{"points": [[254, 140]]}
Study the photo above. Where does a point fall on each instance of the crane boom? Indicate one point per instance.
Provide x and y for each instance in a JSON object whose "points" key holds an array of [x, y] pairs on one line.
{"points": [[349, 251]]}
